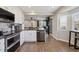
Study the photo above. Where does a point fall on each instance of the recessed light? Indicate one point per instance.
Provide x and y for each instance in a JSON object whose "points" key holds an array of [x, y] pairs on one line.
{"points": [[33, 13]]}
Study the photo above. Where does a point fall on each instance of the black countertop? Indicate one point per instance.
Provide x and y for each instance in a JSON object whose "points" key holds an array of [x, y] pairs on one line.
{"points": [[36, 28]]}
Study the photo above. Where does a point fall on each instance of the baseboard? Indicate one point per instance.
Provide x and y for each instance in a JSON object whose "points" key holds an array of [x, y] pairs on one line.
{"points": [[59, 39], [62, 39], [30, 41]]}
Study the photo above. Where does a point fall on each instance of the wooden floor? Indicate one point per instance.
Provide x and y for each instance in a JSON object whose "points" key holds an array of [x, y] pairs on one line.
{"points": [[52, 45]]}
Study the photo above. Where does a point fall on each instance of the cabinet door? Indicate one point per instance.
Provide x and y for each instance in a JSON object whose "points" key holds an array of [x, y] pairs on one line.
{"points": [[21, 37], [33, 36], [2, 45]]}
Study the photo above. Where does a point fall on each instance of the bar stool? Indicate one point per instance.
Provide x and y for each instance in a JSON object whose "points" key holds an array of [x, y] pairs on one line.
{"points": [[75, 42]]}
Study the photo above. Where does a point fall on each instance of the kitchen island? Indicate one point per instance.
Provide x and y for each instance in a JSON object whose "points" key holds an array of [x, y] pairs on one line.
{"points": [[29, 36], [35, 35]]}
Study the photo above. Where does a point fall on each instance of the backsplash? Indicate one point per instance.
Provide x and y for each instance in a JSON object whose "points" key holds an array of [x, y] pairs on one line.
{"points": [[4, 26]]}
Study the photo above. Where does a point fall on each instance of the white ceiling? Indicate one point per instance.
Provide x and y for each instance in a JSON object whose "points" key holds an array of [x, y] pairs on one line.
{"points": [[39, 10]]}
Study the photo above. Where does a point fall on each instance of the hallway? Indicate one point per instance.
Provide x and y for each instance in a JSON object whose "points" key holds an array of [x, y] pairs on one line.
{"points": [[51, 46]]}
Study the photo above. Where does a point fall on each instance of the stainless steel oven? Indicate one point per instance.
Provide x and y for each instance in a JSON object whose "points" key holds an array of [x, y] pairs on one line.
{"points": [[12, 41]]}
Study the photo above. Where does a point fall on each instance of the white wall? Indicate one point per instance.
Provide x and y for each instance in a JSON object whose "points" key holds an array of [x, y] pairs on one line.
{"points": [[56, 32], [19, 16]]}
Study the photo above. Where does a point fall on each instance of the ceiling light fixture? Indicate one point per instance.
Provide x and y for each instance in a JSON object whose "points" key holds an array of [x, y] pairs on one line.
{"points": [[32, 13]]}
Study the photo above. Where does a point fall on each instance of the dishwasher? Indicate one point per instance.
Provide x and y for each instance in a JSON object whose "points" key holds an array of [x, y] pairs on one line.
{"points": [[40, 36]]}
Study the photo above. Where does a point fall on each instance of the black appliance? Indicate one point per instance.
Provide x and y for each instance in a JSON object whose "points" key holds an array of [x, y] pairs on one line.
{"points": [[6, 14], [1, 33], [15, 27], [18, 28], [40, 35]]}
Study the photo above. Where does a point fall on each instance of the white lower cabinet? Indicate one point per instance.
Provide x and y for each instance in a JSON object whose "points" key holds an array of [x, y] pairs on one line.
{"points": [[2, 45], [21, 38], [30, 36]]}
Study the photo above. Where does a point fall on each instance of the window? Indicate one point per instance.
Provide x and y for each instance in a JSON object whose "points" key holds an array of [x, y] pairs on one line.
{"points": [[42, 23], [75, 18], [63, 22]]}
